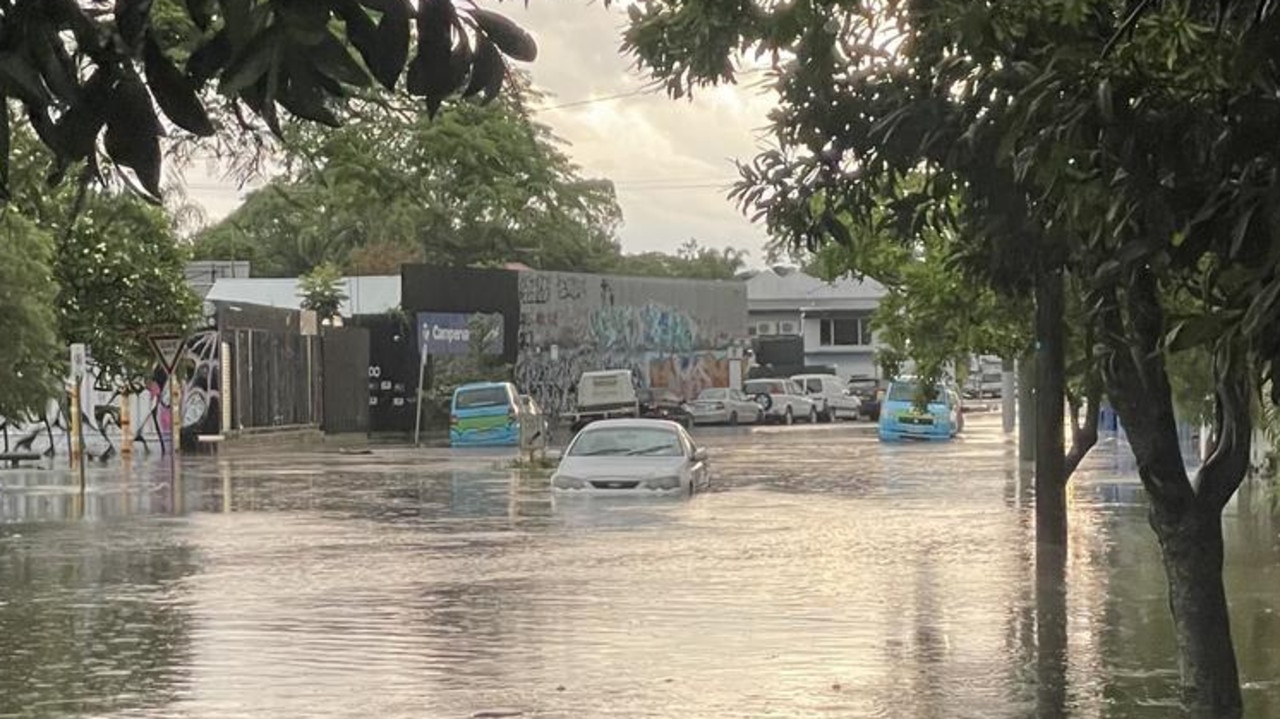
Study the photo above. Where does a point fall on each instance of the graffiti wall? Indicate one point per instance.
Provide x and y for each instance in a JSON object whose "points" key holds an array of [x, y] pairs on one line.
{"points": [[150, 411], [272, 369], [673, 334]]}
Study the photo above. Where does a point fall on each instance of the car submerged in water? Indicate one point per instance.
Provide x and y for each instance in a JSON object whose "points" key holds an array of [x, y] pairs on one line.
{"points": [[902, 417], [632, 456]]}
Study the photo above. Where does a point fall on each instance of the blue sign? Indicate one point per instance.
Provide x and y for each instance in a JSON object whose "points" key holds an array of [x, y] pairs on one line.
{"points": [[453, 333]]}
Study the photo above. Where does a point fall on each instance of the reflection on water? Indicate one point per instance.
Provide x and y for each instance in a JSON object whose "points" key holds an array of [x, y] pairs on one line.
{"points": [[826, 575]]}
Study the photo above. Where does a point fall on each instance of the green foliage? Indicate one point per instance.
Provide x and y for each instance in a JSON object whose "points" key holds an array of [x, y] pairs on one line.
{"points": [[475, 185], [933, 315], [29, 365], [322, 292], [478, 365], [119, 269], [85, 75], [121, 274], [692, 261], [1123, 158]]}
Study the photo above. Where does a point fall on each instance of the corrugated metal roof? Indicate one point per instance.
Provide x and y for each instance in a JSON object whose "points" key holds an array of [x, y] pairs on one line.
{"points": [[770, 290]]}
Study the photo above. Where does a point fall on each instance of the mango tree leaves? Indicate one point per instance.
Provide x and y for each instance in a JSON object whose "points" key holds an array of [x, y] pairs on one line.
{"points": [[308, 56], [175, 94], [509, 37]]}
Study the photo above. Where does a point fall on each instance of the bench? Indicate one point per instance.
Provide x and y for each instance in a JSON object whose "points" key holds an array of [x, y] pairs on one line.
{"points": [[13, 458]]}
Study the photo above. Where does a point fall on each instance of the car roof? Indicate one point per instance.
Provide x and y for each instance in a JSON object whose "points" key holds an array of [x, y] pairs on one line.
{"points": [[603, 424], [481, 385], [814, 375]]}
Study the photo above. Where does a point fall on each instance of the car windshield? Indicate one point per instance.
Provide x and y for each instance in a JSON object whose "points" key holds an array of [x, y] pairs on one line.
{"points": [[763, 388], [713, 394], [906, 392], [481, 397], [627, 442]]}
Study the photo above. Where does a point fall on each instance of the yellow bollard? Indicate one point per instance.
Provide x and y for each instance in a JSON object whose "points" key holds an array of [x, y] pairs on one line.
{"points": [[74, 427], [126, 425], [175, 411]]}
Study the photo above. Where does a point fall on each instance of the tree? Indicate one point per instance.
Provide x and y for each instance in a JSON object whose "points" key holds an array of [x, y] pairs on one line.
{"points": [[474, 185], [1118, 152], [81, 71], [691, 261], [322, 292], [116, 262], [30, 351]]}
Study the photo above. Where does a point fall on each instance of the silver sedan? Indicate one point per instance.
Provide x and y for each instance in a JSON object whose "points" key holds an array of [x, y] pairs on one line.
{"points": [[725, 406], [636, 456]]}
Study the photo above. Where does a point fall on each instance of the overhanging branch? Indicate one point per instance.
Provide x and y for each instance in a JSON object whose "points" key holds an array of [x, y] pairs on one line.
{"points": [[1221, 474], [1137, 383]]}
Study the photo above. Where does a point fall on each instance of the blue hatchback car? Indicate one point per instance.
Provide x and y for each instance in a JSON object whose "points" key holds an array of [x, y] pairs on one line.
{"points": [[901, 419], [485, 414]]}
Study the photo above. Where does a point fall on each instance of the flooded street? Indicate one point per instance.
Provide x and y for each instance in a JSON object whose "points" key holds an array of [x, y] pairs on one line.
{"points": [[825, 575]]}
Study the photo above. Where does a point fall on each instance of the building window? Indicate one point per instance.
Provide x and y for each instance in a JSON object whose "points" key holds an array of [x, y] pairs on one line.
{"points": [[852, 332]]}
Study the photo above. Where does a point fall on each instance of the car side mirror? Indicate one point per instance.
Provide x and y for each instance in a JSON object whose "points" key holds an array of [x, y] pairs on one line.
{"points": [[701, 455]]}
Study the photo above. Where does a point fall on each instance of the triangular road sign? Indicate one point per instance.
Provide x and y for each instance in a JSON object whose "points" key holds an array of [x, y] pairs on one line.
{"points": [[168, 348]]}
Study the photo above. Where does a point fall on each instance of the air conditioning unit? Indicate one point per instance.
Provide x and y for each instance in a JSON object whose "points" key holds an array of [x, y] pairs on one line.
{"points": [[787, 328], [766, 328]]}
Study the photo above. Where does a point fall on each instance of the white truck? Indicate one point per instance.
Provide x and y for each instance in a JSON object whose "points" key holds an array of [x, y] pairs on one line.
{"points": [[606, 394]]}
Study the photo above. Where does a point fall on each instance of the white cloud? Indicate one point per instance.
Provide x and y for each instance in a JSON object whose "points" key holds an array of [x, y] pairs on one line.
{"points": [[668, 158]]}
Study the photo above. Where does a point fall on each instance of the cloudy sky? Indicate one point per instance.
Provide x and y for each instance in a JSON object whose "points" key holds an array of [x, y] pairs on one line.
{"points": [[671, 160]]}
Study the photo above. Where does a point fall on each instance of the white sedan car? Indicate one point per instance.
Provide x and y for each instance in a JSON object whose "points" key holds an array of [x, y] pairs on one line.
{"points": [[725, 406], [782, 399], [636, 456]]}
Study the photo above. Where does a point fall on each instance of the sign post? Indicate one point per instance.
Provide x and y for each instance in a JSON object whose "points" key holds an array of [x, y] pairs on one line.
{"points": [[417, 403], [168, 347], [79, 366]]}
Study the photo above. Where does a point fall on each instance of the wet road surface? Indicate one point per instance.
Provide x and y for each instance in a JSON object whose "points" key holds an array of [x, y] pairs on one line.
{"points": [[825, 575]]}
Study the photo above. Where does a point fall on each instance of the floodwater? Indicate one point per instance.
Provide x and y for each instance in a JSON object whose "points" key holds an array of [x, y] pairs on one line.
{"points": [[825, 575]]}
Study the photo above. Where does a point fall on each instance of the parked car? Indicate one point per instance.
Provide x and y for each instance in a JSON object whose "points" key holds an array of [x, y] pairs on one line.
{"points": [[870, 392], [663, 404], [639, 456], [783, 400], [606, 394], [485, 414], [721, 405], [900, 418], [832, 398]]}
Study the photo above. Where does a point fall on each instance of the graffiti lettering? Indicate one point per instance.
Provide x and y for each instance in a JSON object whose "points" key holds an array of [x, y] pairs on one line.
{"points": [[535, 288], [570, 287], [150, 411]]}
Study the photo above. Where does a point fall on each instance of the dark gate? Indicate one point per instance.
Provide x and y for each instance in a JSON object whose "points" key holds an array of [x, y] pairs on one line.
{"points": [[346, 380]]}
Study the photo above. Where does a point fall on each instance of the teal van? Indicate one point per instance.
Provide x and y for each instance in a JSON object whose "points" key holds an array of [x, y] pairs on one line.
{"points": [[901, 419], [485, 414]]}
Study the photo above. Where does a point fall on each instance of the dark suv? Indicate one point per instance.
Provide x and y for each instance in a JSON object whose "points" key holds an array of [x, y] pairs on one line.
{"points": [[664, 404], [870, 390]]}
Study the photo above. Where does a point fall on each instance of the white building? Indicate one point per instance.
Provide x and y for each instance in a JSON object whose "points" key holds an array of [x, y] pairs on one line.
{"points": [[834, 318], [369, 295]]}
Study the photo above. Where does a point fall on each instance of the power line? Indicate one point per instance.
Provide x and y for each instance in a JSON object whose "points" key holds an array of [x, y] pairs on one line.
{"points": [[594, 100], [651, 188]]}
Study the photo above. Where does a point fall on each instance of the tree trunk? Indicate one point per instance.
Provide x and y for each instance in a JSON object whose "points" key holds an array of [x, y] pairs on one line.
{"points": [[1192, 546], [1051, 631], [1027, 408], [1051, 470]]}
